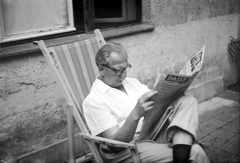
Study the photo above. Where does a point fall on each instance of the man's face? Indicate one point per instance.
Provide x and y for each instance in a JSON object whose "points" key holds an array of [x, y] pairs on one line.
{"points": [[114, 72]]}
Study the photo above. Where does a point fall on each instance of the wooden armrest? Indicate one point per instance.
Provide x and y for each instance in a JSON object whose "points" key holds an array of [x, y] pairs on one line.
{"points": [[106, 141]]}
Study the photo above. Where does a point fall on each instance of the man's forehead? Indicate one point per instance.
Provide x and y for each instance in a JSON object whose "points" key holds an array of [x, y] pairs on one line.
{"points": [[116, 58]]}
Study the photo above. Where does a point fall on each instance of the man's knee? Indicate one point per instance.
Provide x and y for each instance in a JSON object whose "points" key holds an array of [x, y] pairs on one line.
{"points": [[188, 100]]}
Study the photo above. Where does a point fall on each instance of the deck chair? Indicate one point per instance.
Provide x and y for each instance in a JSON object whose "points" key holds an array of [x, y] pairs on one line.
{"points": [[75, 70]]}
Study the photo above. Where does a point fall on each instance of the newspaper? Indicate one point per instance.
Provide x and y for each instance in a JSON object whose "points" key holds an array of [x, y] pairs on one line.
{"points": [[170, 87]]}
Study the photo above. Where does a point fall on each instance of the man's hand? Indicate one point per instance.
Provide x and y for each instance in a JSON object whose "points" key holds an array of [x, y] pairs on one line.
{"points": [[143, 105]]}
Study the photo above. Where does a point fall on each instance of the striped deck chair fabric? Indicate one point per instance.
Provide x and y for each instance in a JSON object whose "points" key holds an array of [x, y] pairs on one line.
{"points": [[74, 66]]}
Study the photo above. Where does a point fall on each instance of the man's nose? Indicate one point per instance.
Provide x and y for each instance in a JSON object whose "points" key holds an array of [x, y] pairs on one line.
{"points": [[124, 74]]}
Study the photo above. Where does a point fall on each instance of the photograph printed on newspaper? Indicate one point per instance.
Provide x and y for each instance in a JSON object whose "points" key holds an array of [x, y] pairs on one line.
{"points": [[170, 87]]}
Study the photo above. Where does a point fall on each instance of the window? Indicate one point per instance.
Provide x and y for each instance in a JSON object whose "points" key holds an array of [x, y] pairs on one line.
{"points": [[114, 11], [26, 19], [30, 18], [102, 11]]}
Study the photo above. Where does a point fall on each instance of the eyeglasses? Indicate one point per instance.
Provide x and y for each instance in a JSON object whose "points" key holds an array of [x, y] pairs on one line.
{"points": [[119, 71]]}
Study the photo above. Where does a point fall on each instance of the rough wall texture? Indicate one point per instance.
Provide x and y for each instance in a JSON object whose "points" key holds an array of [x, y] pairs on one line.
{"points": [[32, 106], [167, 48], [172, 12]]}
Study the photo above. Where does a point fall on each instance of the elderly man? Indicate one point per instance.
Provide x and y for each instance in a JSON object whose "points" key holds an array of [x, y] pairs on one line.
{"points": [[116, 103]]}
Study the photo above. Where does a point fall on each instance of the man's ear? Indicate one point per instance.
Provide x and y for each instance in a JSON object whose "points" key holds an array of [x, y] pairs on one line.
{"points": [[101, 70]]}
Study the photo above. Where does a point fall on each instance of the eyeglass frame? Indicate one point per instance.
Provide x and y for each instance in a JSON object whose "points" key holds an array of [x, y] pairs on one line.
{"points": [[118, 71]]}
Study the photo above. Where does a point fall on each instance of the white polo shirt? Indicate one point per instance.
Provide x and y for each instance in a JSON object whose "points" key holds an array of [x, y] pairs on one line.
{"points": [[106, 107]]}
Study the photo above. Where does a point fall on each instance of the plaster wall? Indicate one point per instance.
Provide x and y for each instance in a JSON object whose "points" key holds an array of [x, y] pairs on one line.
{"points": [[172, 12], [32, 107], [167, 48]]}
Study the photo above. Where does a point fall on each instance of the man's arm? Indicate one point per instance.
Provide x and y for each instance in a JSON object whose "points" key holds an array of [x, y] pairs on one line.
{"points": [[127, 131]]}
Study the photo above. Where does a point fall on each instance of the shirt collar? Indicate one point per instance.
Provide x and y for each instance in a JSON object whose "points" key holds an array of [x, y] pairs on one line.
{"points": [[103, 86]]}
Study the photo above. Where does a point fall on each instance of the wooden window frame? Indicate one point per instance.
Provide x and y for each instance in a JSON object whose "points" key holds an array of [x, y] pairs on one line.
{"points": [[38, 33], [119, 19], [89, 18]]}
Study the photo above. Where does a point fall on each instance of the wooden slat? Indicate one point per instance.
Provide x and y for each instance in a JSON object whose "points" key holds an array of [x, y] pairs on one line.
{"points": [[79, 71], [96, 45], [75, 81], [83, 67], [47, 54], [87, 59], [71, 135], [92, 58], [66, 86], [62, 72], [77, 110], [111, 142], [95, 151], [99, 35]]}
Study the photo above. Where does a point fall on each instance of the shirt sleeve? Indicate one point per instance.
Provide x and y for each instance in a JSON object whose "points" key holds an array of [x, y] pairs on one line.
{"points": [[97, 115]]}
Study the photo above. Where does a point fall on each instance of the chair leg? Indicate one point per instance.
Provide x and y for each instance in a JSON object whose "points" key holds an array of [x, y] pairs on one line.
{"points": [[135, 156], [94, 151], [71, 135]]}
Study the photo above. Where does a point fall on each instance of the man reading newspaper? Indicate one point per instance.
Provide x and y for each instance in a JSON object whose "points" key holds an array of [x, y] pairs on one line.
{"points": [[116, 104]]}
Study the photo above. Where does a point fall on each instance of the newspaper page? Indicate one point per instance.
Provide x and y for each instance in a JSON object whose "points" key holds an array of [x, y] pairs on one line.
{"points": [[170, 87], [194, 64]]}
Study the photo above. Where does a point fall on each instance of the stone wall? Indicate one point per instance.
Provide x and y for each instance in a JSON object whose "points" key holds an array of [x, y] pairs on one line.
{"points": [[33, 110]]}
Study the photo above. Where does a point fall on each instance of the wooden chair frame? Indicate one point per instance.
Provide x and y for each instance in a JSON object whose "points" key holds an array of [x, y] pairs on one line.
{"points": [[74, 109]]}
